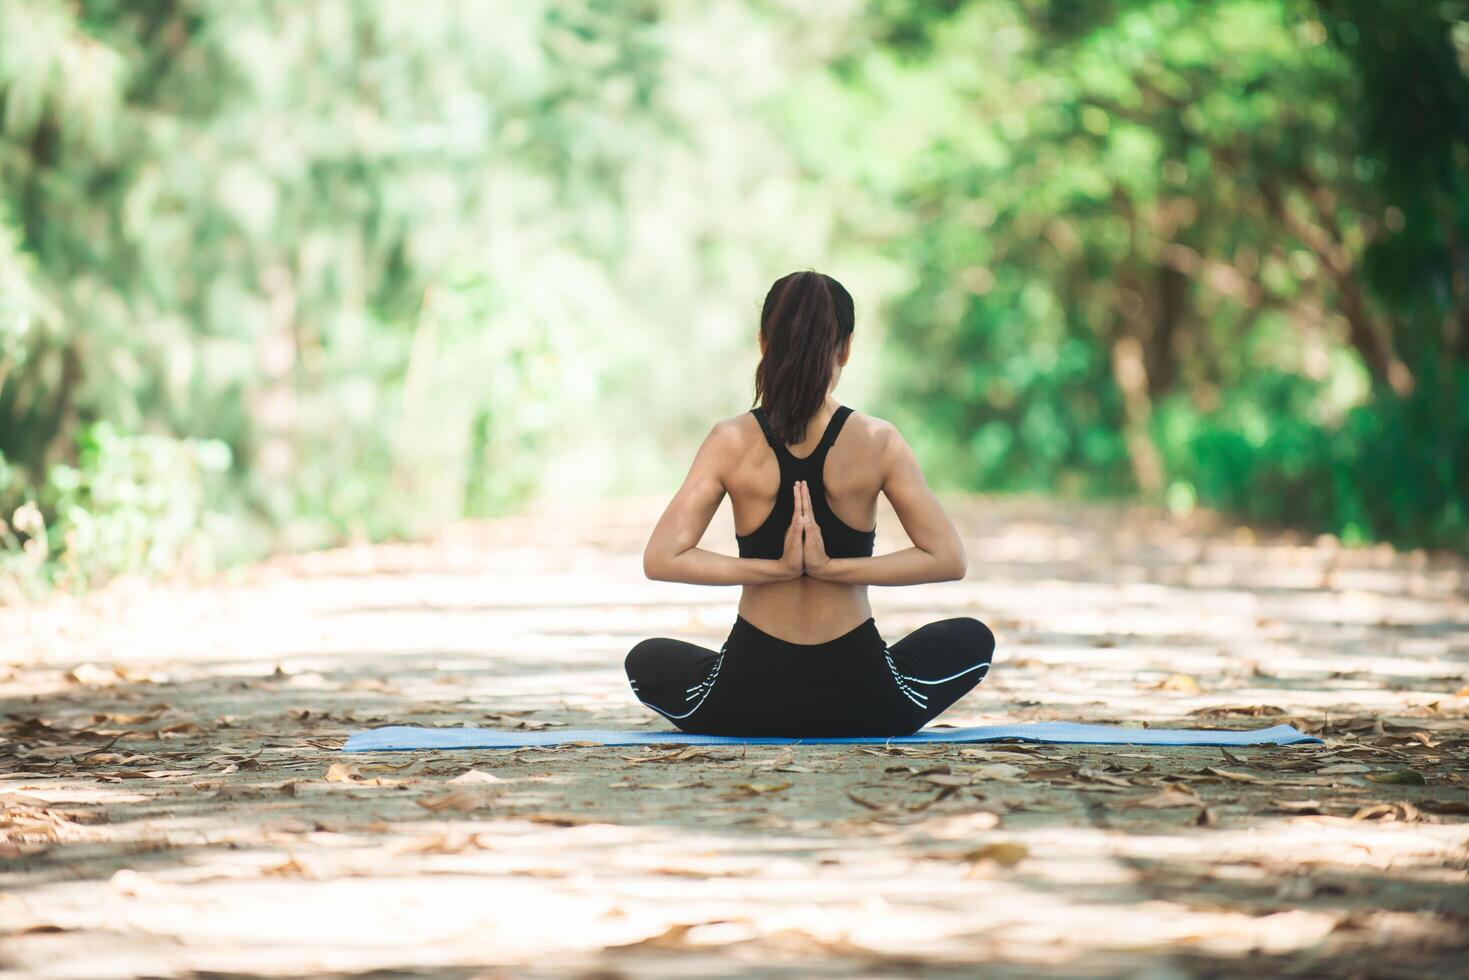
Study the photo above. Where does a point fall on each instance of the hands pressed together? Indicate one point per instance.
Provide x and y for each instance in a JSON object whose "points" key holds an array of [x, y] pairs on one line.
{"points": [[805, 552]]}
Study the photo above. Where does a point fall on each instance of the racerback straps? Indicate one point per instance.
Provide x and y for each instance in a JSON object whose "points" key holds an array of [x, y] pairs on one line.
{"points": [[759, 412], [833, 429]]}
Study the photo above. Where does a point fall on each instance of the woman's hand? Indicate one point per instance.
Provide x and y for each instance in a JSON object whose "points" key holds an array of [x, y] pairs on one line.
{"points": [[814, 548], [792, 559]]}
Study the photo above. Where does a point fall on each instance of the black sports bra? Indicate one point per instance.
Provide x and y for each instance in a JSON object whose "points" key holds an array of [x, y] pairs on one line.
{"points": [[768, 540]]}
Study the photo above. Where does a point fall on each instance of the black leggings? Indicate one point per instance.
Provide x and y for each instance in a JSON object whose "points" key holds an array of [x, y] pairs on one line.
{"points": [[854, 685]]}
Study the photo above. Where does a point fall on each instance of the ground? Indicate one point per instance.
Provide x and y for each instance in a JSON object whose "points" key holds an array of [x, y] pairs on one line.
{"points": [[173, 801]]}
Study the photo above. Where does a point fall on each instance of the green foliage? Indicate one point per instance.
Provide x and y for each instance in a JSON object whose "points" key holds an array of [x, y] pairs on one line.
{"points": [[405, 263], [1389, 470], [1209, 253], [132, 504]]}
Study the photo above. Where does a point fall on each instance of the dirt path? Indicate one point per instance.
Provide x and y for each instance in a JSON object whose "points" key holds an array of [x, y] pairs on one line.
{"points": [[172, 802]]}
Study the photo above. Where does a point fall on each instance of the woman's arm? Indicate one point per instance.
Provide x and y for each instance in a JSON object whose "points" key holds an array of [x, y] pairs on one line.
{"points": [[937, 554], [673, 555]]}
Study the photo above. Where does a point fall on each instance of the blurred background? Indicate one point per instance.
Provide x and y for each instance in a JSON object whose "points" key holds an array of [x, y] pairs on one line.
{"points": [[275, 275]]}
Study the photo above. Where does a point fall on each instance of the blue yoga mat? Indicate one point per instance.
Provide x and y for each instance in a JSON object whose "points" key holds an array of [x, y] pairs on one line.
{"points": [[403, 738]]}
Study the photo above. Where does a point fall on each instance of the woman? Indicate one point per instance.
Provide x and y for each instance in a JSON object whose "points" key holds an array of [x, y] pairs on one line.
{"points": [[804, 658]]}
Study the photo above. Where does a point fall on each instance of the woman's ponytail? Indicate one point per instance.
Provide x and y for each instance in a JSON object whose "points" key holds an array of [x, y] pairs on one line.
{"points": [[806, 318]]}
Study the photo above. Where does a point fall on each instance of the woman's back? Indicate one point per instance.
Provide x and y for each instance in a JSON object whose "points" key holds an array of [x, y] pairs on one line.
{"points": [[805, 609]]}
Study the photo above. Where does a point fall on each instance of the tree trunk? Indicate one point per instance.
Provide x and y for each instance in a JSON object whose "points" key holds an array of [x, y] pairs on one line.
{"points": [[1131, 374]]}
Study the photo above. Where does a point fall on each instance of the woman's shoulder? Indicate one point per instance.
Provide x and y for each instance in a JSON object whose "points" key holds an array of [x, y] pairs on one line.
{"points": [[872, 434], [736, 430], [734, 438]]}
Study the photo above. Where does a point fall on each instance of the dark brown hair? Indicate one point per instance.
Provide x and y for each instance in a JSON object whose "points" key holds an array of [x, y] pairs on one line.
{"points": [[806, 318]]}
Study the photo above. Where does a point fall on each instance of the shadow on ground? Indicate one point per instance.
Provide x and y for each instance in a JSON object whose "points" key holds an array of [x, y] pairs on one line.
{"points": [[173, 801]]}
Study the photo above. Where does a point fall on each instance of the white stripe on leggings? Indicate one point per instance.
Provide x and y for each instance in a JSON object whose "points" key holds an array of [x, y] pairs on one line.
{"points": [[919, 680], [713, 675], [917, 697]]}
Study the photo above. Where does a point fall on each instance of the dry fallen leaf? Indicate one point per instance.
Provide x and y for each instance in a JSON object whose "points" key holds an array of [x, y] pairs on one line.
{"points": [[1249, 710], [1104, 778], [475, 777], [290, 868], [960, 826], [1182, 683], [254, 791], [453, 842], [1002, 772], [1456, 807], [1398, 777], [342, 772], [20, 799], [458, 799], [678, 784], [91, 675], [670, 938], [1007, 854], [799, 942], [1403, 812], [1238, 777], [560, 819], [411, 768], [119, 718], [691, 752], [757, 789], [135, 884], [1170, 796]]}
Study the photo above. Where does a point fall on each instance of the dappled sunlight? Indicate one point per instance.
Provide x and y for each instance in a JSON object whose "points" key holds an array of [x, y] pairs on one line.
{"points": [[185, 808]]}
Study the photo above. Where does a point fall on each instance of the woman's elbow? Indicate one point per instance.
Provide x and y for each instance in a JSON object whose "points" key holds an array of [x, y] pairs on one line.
{"points": [[955, 565], [659, 566]]}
